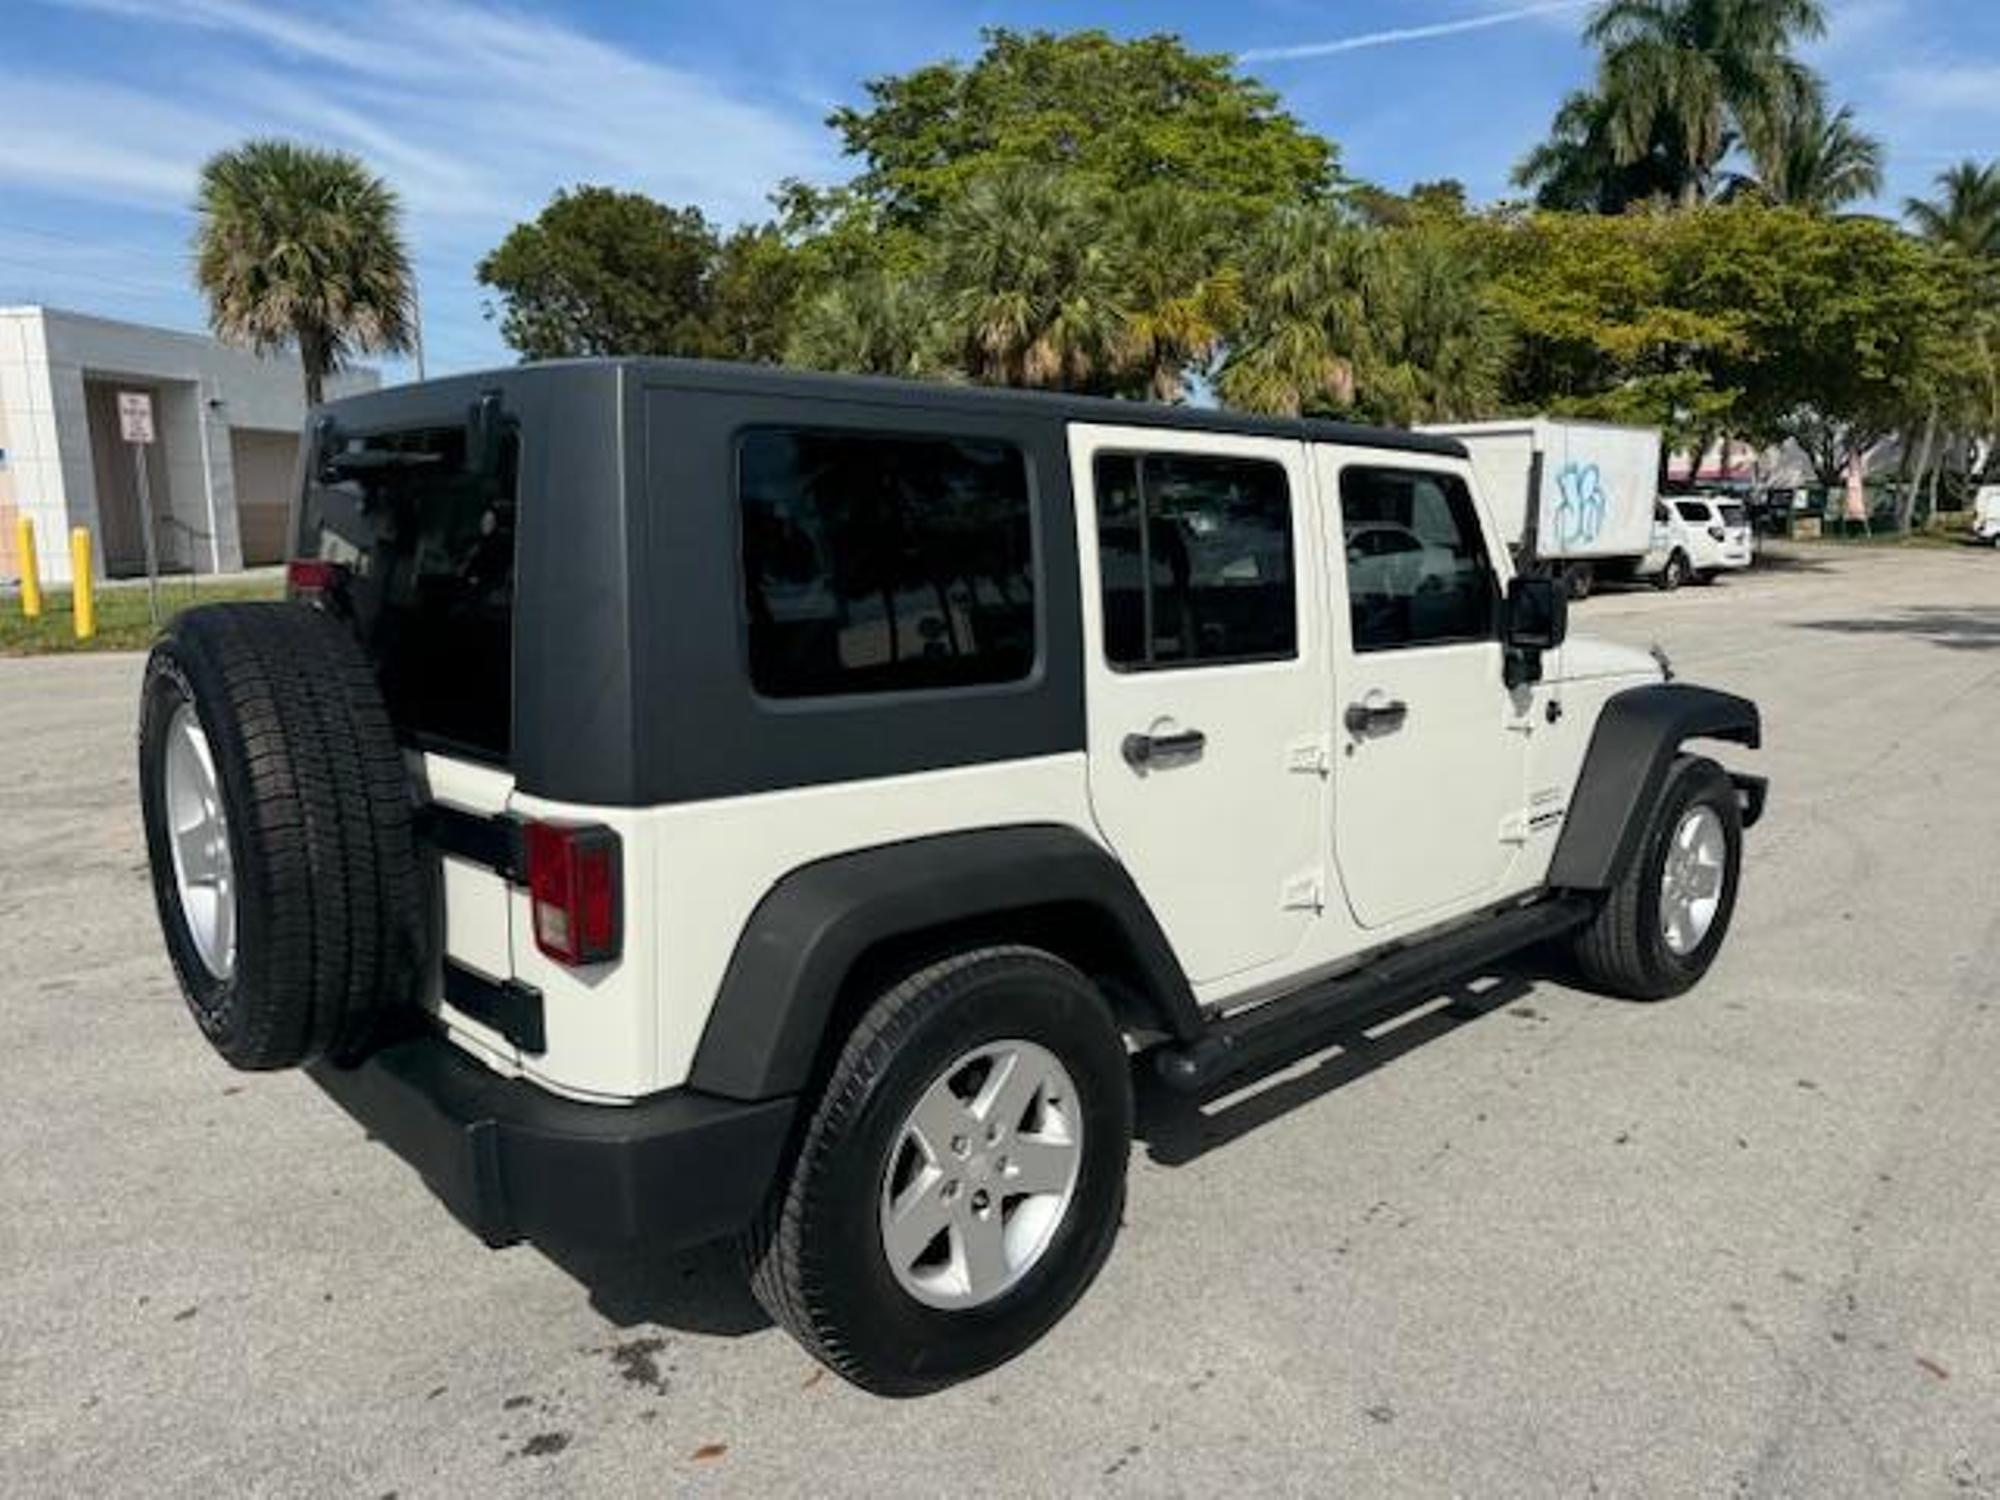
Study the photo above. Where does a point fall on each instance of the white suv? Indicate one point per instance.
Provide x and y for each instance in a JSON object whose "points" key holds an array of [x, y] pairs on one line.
{"points": [[1986, 514], [1696, 537], [685, 800]]}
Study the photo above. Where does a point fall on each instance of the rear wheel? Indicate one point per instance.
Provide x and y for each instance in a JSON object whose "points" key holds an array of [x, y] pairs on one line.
{"points": [[1675, 573], [961, 1180], [278, 830], [1660, 927]]}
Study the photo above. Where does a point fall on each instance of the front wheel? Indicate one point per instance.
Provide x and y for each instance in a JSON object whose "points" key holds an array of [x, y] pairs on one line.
{"points": [[961, 1181], [1660, 927]]}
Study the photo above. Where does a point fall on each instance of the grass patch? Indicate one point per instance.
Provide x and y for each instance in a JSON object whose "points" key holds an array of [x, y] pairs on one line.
{"points": [[123, 621], [1948, 539]]}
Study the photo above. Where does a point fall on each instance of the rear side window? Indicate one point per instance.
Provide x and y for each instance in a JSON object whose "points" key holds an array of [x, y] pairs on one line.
{"points": [[428, 539], [1692, 510], [1417, 572], [1195, 554], [883, 563]]}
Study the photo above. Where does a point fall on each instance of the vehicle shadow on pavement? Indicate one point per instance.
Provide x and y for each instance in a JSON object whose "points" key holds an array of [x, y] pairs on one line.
{"points": [[1177, 1128], [700, 1290], [1967, 628], [1775, 555]]}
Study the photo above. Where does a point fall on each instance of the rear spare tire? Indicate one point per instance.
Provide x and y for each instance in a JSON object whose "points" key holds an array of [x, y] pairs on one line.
{"points": [[278, 828]]}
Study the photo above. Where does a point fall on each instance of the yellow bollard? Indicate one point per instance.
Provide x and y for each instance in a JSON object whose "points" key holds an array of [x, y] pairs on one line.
{"points": [[79, 572], [31, 572]]}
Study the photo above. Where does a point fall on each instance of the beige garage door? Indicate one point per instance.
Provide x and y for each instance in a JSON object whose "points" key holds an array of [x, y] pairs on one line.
{"points": [[264, 463]]}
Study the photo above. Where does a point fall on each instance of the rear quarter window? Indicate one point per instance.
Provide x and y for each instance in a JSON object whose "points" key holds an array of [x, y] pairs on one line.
{"points": [[884, 562]]}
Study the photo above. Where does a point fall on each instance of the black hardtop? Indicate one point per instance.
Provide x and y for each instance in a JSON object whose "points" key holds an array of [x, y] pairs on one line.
{"points": [[934, 396]]}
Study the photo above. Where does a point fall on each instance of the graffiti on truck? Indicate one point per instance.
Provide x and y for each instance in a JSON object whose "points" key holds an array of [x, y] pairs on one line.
{"points": [[1581, 506]]}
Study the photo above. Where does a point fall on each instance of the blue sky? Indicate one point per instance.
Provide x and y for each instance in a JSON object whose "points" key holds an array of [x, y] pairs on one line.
{"points": [[477, 113]]}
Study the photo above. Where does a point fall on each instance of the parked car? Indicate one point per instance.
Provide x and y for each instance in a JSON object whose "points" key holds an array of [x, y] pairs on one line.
{"points": [[1695, 538], [682, 800], [1986, 514]]}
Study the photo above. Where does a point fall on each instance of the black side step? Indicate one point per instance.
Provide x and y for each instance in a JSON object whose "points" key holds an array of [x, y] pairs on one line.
{"points": [[1278, 1030]]}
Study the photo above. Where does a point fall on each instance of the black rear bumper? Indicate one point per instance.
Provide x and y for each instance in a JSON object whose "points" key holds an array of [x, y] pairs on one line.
{"points": [[515, 1162]]}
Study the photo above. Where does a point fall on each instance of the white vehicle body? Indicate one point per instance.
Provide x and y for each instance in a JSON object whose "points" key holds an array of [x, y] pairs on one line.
{"points": [[1570, 489], [679, 800], [1986, 514], [1713, 532], [1289, 850]]}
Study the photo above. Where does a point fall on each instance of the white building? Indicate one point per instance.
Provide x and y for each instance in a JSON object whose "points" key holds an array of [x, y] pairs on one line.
{"points": [[220, 471]]}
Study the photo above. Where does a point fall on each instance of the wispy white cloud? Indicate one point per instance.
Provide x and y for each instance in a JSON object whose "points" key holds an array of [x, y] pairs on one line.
{"points": [[1398, 35], [1946, 88], [475, 115], [473, 112]]}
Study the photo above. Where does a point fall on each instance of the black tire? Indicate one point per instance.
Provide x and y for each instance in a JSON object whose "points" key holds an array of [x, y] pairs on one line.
{"points": [[1675, 573], [816, 1259], [327, 889], [1578, 581], [1623, 951]]}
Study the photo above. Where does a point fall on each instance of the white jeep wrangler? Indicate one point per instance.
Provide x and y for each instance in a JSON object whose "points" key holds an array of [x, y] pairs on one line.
{"points": [[683, 800]]}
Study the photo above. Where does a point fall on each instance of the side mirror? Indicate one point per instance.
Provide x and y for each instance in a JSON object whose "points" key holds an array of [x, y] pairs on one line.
{"points": [[1537, 613], [1537, 619]]}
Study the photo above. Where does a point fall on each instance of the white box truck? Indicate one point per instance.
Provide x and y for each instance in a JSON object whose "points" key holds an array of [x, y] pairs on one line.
{"points": [[1577, 496]]}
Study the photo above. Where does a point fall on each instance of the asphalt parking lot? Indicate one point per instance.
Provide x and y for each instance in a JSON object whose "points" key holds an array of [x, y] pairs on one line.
{"points": [[1744, 1242]]}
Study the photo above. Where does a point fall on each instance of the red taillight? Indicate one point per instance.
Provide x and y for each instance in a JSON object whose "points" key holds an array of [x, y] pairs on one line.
{"points": [[573, 889], [313, 577]]}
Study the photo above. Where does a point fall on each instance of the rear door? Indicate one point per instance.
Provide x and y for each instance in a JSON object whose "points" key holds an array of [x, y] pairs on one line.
{"points": [[1206, 682], [1431, 745]]}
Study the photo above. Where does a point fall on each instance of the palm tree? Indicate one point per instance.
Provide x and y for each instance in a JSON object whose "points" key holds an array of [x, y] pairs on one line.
{"points": [[1032, 291], [1577, 170], [877, 322], [1812, 160], [1966, 212], [1436, 342], [1698, 75], [302, 248], [1306, 319], [1182, 296]]}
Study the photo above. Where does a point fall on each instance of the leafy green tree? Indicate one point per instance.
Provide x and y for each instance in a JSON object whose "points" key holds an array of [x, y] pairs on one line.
{"points": [[1704, 71], [1181, 295], [1296, 348], [1579, 168], [876, 322], [750, 296], [1850, 329], [1966, 211], [1029, 281], [1805, 158], [600, 271], [1379, 208], [1118, 115], [301, 248], [1602, 325], [1436, 341]]}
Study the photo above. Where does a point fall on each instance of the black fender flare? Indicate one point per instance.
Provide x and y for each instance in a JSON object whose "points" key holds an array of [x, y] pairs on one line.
{"points": [[1632, 748], [803, 939]]}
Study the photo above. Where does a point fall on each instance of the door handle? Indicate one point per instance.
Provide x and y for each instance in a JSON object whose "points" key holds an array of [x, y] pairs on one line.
{"points": [[1142, 751], [1375, 717]]}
